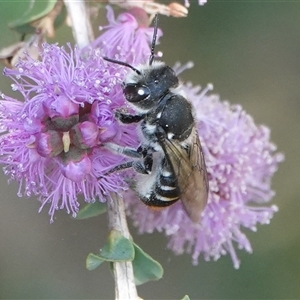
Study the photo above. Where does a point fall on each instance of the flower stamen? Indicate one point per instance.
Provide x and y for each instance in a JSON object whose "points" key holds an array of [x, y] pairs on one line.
{"points": [[66, 141]]}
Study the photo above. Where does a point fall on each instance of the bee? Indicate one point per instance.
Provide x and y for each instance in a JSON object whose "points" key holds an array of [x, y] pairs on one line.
{"points": [[170, 156]]}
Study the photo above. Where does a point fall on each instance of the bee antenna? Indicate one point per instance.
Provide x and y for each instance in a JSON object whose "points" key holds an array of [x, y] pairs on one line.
{"points": [[153, 40], [122, 63]]}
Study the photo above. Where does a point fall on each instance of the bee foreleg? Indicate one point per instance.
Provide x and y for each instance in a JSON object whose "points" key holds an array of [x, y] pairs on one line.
{"points": [[128, 118]]}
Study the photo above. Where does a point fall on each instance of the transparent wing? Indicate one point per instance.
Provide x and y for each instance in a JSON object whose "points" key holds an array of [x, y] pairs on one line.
{"points": [[189, 165]]}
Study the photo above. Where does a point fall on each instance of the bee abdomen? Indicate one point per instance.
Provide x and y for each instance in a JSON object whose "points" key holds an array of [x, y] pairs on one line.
{"points": [[166, 187], [165, 190], [156, 200]]}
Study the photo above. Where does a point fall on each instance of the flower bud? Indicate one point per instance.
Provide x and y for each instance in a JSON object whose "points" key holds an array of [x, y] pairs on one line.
{"points": [[49, 144], [85, 135], [61, 106], [75, 164], [108, 131]]}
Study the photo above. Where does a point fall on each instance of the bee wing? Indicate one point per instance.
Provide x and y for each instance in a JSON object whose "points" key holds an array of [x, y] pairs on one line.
{"points": [[189, 165]]}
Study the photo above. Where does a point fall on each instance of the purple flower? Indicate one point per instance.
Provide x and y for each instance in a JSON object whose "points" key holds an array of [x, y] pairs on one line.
{"points": [[126, 38], [240, 161], [52, 140]]}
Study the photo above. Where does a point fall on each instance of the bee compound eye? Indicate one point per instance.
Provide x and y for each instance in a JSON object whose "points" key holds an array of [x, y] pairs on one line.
{"points": [[136, 92]]}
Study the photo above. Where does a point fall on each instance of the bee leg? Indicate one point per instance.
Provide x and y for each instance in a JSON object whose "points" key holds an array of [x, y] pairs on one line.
{"points": [[144, 166], [147, 154], [120, 167], [130, 152], [148, 163], [138, 166], [127, 118]]}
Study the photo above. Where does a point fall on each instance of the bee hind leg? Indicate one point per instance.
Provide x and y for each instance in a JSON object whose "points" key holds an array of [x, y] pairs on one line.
{"points": [[144, 166]]}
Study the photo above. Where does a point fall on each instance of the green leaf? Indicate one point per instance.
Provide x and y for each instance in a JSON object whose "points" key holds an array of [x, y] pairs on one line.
{"points": [[36, 10], [91, 210], [93, 261], [117, 248], [186, 297], [145, 268]]}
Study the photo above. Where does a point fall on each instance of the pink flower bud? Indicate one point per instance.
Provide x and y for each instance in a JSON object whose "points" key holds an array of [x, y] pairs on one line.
{"points": [[61, 106], [49, 144], [85, 135], [75, 164]]}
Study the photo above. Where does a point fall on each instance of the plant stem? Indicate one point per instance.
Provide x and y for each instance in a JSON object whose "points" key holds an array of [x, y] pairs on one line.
{"points": [[81, 25], [123, 271]]}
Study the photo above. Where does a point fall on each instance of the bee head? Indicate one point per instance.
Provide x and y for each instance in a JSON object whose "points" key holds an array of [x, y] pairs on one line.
{"points": [[146, 84], [145, 88]]}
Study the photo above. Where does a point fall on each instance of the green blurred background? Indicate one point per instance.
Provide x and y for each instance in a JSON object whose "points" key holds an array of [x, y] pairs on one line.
{"points": [[250, 51]]}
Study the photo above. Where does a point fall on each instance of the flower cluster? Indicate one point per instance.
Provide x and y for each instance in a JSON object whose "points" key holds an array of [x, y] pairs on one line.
{"points": [[52, 140]]}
